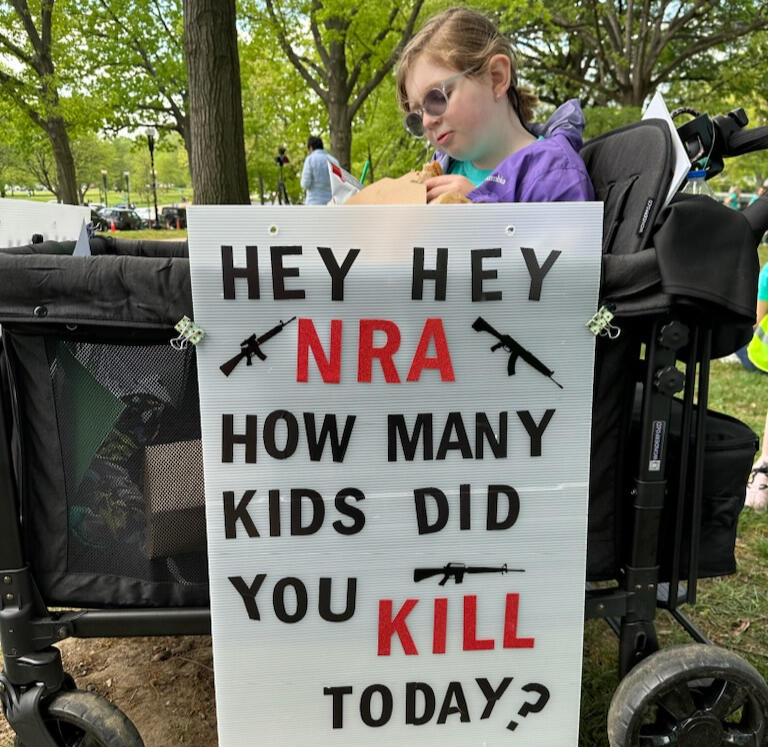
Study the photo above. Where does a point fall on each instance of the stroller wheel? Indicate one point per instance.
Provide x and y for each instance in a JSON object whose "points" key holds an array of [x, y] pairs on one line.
{"points": [[78, 718], [692, 695]]}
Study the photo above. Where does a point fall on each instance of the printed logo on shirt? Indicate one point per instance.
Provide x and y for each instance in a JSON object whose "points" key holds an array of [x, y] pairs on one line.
{"points": [[495, 178]]}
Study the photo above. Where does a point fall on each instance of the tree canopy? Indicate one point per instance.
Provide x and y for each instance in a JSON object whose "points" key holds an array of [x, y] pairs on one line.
{"points": [[136, 54], [73, 72], [622, 51], [44, 64], [342, 51]]}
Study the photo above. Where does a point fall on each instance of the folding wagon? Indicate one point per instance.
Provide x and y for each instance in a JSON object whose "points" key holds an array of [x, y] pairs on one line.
{"points": [[95, 404]]}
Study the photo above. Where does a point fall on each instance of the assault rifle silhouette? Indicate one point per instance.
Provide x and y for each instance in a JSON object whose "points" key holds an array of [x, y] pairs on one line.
{"points": [[514, 348], [252, 346], [457, 571]]}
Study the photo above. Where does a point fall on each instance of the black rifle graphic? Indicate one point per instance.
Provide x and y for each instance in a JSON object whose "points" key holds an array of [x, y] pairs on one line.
{"points": [[514, 348], [252, 346], [457, 571]]}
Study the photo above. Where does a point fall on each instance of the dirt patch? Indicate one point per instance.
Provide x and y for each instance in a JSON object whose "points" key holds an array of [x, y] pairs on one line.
{"points": [[164, 685]]}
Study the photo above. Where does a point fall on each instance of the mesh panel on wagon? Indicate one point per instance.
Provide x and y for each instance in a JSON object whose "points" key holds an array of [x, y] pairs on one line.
{"points": [[128, 426]]}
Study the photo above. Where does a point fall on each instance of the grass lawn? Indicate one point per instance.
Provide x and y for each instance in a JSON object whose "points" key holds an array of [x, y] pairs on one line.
{"points": [[731, 611], [148, 233], [164, 197]]}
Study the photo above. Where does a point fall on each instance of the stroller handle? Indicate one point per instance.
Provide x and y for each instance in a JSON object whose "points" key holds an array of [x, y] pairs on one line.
{"points": [[732, 140], [739, 142], [725, 136]]}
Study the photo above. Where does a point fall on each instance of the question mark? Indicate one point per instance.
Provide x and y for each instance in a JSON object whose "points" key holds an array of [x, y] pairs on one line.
{"points": [[534, 707]]}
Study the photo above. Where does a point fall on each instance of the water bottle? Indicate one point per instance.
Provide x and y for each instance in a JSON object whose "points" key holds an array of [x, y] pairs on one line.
{"points": [[696, 184]]}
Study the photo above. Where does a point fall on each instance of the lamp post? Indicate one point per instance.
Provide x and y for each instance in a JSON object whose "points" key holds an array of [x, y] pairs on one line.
{"points": [[104, 184], [151, 143], [127, 180]]}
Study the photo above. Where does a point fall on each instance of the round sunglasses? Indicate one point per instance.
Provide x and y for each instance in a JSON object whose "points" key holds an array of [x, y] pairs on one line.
{"points": [[435, 103]]}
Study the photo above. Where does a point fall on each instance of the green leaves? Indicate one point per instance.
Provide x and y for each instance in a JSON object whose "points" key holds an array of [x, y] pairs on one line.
{"points": [[136, 57], [342, 52], [326, 67], [621, 51]]}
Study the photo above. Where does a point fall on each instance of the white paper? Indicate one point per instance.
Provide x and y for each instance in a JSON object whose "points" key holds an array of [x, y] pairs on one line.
{"points": [[20, 219], [343, 184], [83, 246], [284, 678], [657, 109]]}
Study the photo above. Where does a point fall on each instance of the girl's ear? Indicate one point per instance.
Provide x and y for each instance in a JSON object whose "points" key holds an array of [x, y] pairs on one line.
{"points": [[501, 74]]}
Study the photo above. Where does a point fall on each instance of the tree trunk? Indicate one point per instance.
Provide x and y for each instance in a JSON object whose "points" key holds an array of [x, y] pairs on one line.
{"points": [[182, 127], [66, 189], [341, 133], [634, 96], [217, 162]]}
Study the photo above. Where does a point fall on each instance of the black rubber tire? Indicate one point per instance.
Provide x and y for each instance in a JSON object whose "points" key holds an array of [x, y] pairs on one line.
{"points": [[78, 718], [692, 695]]}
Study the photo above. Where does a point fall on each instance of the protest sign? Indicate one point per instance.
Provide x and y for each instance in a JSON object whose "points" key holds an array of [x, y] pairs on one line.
{"points": [[395, 407], [19, 219]]}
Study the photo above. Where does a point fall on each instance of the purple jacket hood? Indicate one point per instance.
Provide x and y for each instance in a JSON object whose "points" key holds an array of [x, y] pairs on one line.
{"points": [[548, 170]]}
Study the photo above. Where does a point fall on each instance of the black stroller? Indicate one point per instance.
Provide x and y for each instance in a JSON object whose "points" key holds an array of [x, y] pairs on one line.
{"points": [[94, 402]]}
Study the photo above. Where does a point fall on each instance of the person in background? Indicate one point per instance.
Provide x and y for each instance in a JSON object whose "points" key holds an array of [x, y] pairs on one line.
{"points": [[754, 357], [457, 84], [315, 180], [760, 193], [732, 198], [757, 485]]}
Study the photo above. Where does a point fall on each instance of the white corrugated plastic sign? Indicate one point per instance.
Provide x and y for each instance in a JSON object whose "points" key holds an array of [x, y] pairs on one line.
{"points": [[396, 511]]}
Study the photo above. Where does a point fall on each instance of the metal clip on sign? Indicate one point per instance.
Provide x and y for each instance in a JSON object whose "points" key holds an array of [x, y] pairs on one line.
{"points": [[600, 324], [188, 331]]}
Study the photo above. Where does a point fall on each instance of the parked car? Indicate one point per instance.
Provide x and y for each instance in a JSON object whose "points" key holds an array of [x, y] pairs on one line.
{"points": [[124, 220], [147, 215], [99, 224], [173, 217]]}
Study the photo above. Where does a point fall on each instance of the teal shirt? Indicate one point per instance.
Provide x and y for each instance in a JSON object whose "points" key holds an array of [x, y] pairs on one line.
{"points": [[471, 172], [762, 284]]}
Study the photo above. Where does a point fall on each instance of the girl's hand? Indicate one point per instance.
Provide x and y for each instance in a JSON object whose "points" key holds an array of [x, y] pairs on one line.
{"points": [[438, 185]]}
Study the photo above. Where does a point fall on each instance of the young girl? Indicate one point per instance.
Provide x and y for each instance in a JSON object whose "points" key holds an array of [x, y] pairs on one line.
{"points": [[457, 83]]}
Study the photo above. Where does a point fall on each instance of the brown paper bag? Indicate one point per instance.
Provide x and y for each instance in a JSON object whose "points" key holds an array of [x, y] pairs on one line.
{"points": [[404, 190]]}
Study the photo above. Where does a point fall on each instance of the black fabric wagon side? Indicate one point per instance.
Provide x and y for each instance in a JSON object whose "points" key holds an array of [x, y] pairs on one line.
{"points": [[101, 494]]}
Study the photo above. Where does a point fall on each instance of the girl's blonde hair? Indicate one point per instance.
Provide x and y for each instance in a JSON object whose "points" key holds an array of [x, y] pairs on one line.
{"points": [[464, 39]]}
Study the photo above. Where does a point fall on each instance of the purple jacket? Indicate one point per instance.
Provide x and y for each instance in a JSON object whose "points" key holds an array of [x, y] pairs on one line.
{"points": [[549, 170]]}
